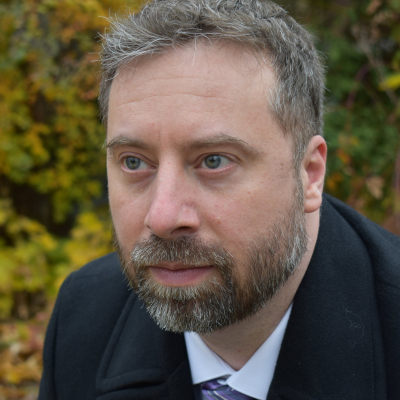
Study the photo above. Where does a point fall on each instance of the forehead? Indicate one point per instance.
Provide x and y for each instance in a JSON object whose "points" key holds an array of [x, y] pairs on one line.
{"points": [[202, 68]]}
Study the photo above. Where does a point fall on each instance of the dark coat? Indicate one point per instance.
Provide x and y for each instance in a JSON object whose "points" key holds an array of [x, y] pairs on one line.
{"points": [[342, 340]]}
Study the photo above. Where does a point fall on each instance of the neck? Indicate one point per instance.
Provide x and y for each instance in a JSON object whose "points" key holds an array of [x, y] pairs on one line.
{"points": [[236, 344]]}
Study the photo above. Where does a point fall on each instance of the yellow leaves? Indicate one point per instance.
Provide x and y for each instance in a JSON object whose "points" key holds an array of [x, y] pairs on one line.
{"points": [[50, 146], [6, 303], [375, 186], [91, 239], [73, 16], [7, 268], [25, 264], [38, 260], [16, 373], [346, 141], [343, 156], [333, 181], [392, 82], [50, 134], [5, 209], [37, 233], [44, 181], [20, 358], [33, 142]]}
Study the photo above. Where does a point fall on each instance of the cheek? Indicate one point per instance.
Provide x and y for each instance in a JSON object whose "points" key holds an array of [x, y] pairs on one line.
{"points": [[242, 214], [250, 207]]}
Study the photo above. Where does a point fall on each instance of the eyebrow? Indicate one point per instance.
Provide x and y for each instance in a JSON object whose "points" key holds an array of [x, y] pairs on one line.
{"points": [[217, 140], [122, 140], [220, 140]]}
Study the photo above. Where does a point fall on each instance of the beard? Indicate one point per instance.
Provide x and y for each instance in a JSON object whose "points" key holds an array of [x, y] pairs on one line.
{"points": [[224, 299]]}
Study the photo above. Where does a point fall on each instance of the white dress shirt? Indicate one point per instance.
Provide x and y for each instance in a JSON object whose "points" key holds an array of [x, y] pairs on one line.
{"points": [[253, 379]]}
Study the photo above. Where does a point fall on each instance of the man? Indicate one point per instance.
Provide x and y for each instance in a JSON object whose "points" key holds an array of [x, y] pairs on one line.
{"points": [[216, 166]]}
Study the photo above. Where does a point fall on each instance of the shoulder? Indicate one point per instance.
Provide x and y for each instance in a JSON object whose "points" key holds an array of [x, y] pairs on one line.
{"points": [[99, 278], [87, 309], [362, 225], [381, 247], [383, 250], [96, 292]]}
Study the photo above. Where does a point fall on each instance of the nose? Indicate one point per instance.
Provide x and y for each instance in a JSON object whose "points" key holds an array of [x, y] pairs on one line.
{"points": [[172, 211]]}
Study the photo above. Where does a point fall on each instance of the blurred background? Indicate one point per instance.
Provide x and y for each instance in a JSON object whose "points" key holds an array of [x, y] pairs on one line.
{"points": [[53, 195]]}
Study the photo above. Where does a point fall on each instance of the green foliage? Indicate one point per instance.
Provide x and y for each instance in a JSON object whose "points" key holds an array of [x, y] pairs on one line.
{"points": [[52, 167], [360, 42]]}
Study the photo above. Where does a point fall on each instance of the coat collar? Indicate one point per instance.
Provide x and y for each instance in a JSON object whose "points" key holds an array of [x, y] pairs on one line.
{"points": [[327, 351], [143, 362]]}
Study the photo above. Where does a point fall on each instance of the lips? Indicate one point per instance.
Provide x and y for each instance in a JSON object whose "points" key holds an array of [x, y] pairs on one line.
{"points": [[177, 266], [176, 274]]}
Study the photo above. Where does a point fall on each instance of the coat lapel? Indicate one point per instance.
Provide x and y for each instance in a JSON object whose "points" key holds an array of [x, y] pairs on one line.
{"points": [[328, 348], [143, 362]]}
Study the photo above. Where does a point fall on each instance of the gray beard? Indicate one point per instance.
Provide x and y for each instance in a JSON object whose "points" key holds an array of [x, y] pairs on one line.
{"points": [[222, 300]]}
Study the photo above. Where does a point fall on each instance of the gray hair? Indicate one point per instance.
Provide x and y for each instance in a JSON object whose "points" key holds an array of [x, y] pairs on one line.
{"points": [[296, 101]]}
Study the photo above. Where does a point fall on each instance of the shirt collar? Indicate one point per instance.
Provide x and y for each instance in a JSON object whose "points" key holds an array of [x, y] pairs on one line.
{"points": [[253, 379]]}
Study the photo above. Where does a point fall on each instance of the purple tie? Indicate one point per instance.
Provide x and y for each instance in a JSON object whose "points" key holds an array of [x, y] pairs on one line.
{"points": [[212, 390]]}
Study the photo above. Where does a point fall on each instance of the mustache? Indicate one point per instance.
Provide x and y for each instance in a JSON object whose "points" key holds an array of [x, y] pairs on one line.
{"points": [[185, 249]]}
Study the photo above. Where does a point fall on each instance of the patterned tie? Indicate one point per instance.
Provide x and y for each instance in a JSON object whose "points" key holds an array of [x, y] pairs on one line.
{"points": [[212, 390]]}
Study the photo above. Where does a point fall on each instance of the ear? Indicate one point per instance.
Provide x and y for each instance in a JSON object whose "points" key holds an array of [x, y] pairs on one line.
{"points": [[313, 173]]}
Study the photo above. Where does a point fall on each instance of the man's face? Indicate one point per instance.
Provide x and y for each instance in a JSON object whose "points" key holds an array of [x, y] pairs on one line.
{"points": [[203, 194]]}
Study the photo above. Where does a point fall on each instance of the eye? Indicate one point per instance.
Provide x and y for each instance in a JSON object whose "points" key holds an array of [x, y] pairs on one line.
{"points": [[215, 161], [134, 163]]}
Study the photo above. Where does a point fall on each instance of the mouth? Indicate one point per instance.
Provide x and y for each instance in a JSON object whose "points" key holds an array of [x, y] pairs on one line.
{"points": [[176, 274]]}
